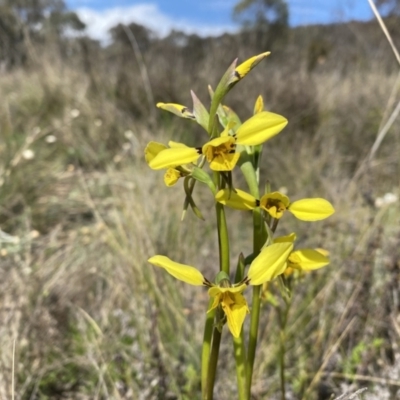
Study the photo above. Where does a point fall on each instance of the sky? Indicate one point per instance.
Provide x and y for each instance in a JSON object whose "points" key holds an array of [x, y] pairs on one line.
{"points": [[203, 17]]}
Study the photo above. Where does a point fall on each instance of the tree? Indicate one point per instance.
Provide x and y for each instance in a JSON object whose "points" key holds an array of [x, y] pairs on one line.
{"points": [[31, 12], [23, 22], [268, 19], [126, 34]]}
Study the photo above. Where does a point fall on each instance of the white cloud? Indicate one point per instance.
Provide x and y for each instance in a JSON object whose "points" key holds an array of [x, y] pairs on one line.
{"points": [[99, 22]]}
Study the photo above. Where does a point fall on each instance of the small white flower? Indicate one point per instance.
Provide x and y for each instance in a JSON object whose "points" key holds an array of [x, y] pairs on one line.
{"points": [[75, 113], [51, 139], [126, 146], [388, 198], [98, 122], [34, 234], [28, 154], [129, 134]]}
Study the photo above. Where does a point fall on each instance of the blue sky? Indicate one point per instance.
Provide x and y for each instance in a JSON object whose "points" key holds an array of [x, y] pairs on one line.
{"points": [[205, 17]]}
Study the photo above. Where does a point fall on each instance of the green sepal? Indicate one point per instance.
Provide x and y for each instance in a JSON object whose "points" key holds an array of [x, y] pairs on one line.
{"points": [[246, 164], [189, 199], [231, 116], [284, 288], [240, 268], [221, 276], [220, 92], [202, 176], [271, 299], [223, 119], [269, 234], [200, 112]]}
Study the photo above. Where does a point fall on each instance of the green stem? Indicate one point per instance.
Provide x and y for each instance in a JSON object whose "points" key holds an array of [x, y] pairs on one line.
{"points": [[205, 354], [212, 366], [240, 357], [282, 344], [254, 321], [259, 238], [209, 372], [223, 239], [282, 365]]}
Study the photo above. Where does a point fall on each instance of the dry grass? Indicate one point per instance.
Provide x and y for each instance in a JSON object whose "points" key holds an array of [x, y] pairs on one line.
{"points": [[92, 320]]}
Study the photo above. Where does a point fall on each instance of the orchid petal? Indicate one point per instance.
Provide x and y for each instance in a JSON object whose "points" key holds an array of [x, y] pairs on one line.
{"points": [[174, 157], [152, 149], [270, 263], [260, 128], [237, 199], [311, 209], [182, 272], [308, 259]]}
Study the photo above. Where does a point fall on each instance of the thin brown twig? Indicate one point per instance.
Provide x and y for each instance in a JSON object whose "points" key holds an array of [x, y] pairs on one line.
{"points": [[382, 132], [367, 378], [385, 30], [328, 356]]}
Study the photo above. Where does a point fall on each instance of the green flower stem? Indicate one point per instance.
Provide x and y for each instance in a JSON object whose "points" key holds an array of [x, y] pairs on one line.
{"points": [[212, 366], [205, 354], [210, 360], [283, 318], [223, 239], [259, 238], [254, 321], [240, 268], [240, 357], [282, 364]]}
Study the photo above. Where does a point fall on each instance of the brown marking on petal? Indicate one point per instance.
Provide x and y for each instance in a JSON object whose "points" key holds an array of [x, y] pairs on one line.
{"points": [[236, 73], [246, 281], [187, 112], [275, 203], [199, 150], [206, 282]]}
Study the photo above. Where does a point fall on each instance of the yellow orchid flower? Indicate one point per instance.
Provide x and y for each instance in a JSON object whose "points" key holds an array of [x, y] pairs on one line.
{"points": [[276, 204], [233, 304], [174, 172], [303, 259], [270, 263], [221, 152]]}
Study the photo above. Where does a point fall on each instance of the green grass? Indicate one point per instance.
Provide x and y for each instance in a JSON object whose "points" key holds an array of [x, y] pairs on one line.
{"points": [[92, 319]]}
